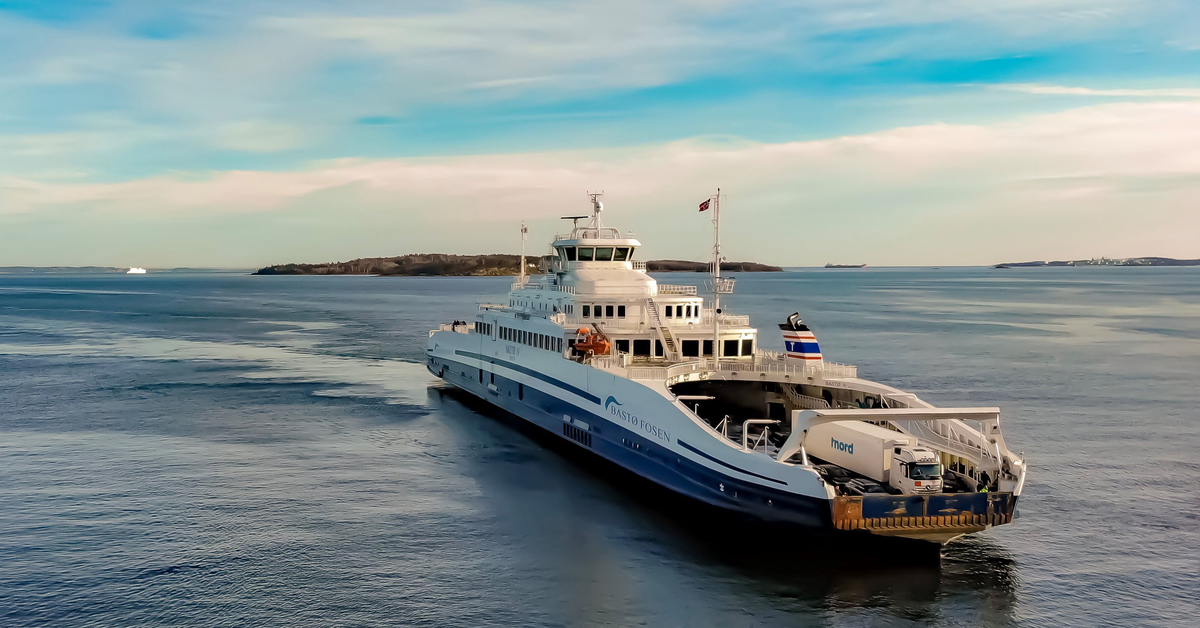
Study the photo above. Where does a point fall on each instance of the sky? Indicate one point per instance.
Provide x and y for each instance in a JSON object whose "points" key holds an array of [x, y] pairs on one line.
{"points": [[243, 133]]}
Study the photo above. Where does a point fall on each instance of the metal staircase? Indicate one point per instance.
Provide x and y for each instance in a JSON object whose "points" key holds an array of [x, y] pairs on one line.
{"points": [[664, 334], [803, 402]]}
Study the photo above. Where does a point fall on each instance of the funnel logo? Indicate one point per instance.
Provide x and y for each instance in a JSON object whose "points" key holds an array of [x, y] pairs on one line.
{"points": [[614, 408]]}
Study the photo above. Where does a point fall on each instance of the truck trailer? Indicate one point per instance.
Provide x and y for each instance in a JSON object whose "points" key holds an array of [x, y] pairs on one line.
{"points": [[878, 453]]}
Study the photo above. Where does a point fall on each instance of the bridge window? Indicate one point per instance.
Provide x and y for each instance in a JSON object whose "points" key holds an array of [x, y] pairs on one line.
{"points": [[620, 311], [658, 350], [604, 253], [729, 348], [608, 311], [690, 348], [679, 311], [569, 251], [641, 347], [587, 311], [688, 311], [623, 346], [621, 254], [586, 253], [670, 312], [708, 347], [747, 346]]}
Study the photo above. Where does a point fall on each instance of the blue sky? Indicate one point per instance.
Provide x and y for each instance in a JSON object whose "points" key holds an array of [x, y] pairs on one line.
{"points": [[891, 132]]}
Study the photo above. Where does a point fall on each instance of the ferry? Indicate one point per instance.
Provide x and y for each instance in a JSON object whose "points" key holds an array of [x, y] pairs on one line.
{"points": [[664, 382]]}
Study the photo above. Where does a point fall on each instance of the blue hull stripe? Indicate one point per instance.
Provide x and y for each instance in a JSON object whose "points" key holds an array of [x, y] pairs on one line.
{"points": [[532, 373], [716, 485], [726, 464]]}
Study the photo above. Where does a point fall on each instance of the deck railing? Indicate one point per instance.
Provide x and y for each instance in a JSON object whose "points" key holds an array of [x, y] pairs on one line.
{"points": [[760, 364], [669, 288], [539, 286]]}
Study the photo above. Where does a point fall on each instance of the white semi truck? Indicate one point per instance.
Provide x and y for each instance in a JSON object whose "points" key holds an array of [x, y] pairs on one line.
{"points": [[883, 455]]}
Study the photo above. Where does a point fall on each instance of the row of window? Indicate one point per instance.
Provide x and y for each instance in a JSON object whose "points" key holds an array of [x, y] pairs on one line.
{"points": [[682, 311], [530, 339], [568, 308], [603, 311], [595, 253], [608, 311], [689, 348], [483, 328]]}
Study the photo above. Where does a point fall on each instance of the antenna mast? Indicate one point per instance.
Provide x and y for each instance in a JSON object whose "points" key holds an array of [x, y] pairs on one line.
{"points": [[524, 236]]}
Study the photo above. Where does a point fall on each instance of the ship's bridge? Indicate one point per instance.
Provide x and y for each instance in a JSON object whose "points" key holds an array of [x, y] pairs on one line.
{"points": [[600, 261]]}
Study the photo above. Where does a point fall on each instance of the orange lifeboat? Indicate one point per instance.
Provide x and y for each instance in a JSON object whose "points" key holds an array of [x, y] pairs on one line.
{"points": [[594, 343]]}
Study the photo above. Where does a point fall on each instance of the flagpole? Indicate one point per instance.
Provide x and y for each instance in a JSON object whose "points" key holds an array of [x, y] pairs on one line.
{"points": [[716, 273]]}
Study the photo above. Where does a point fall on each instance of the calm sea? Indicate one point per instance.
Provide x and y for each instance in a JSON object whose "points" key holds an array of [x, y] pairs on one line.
{"points": [[227, 450]]}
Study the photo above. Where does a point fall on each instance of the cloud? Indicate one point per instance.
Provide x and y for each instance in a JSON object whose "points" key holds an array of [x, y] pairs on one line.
{"points": [[1062, 184], [1060, 90]]}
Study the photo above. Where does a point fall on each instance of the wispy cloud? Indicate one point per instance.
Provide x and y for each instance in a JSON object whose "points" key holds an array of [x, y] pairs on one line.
{"points": [[1061, 90], [973, 194], [253, 111]]}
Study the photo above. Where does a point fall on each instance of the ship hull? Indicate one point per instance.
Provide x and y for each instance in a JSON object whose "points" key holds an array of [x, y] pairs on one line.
{"points": [[636, 453]]}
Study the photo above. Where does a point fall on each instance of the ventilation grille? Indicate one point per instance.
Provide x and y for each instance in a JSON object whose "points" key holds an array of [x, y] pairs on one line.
{"points": [[583, 437]]}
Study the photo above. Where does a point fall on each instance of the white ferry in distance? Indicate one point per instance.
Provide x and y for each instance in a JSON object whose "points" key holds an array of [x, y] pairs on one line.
{"points": [[661, 381]]}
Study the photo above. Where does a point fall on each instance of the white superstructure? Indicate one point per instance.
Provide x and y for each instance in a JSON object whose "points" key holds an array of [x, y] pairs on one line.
{"points": [[660, 380]]}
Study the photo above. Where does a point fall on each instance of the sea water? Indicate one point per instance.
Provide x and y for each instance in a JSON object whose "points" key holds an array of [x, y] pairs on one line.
{"points": [[228, 450]]}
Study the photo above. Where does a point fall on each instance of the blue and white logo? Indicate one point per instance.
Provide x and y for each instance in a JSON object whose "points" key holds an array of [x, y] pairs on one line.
{"points": [[840, 446], [614, 408]]}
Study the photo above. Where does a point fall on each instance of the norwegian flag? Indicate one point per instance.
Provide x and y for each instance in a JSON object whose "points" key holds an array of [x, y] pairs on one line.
{"points": [[704, 205]]}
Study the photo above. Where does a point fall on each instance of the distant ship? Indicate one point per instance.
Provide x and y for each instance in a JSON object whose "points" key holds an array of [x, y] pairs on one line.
{"points": [[655, 379], [845, 266], [136, 271]]}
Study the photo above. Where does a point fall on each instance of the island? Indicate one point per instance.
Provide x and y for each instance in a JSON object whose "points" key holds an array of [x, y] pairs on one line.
{"points": [[442, 264], [1106, 261]]}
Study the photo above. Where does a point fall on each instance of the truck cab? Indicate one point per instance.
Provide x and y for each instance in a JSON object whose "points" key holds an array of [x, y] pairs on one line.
{"points": [[915, 470]]}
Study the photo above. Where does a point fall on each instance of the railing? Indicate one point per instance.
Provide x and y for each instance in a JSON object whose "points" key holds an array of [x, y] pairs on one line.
{"points": [[675, 372], [766, 423], [726, 319], [639, 265], [804, 402], [517, 285], [588, 233], [667, 288]]}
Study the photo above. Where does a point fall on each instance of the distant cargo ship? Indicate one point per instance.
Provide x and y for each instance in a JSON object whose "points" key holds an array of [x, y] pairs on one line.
{"points": [[845, 266]]}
